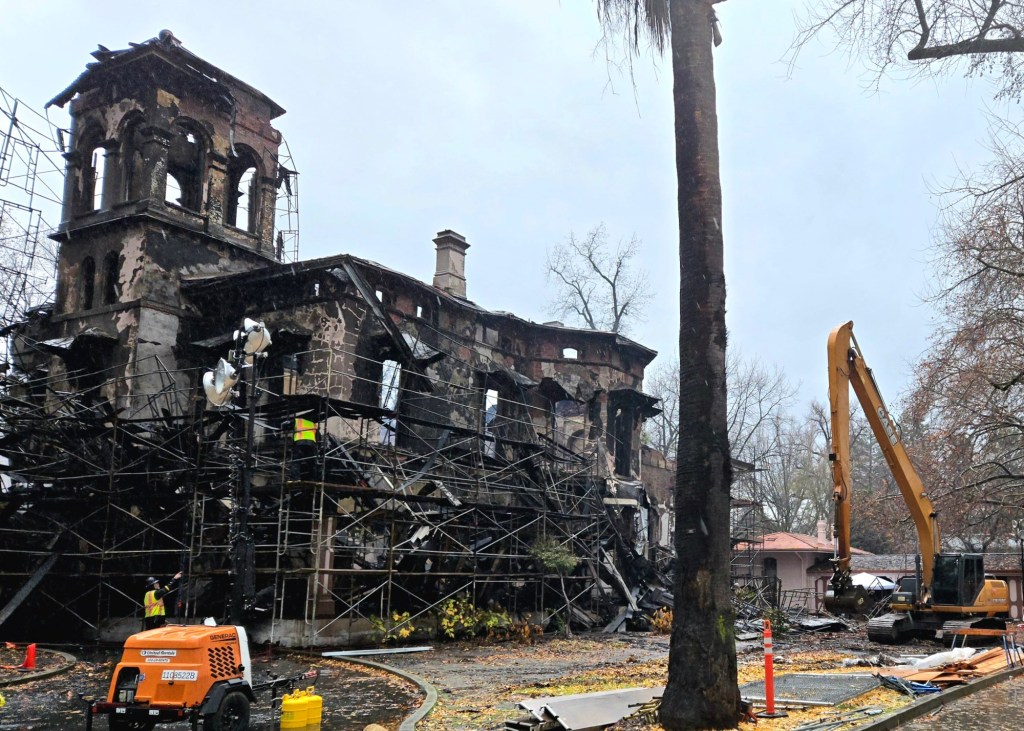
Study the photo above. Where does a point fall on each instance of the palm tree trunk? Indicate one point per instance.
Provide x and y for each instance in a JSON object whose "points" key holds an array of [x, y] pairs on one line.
{"points": [[702, 690]]}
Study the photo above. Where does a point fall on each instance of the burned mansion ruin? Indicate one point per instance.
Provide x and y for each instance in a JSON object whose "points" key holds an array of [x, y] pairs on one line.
{"points": [[395, 446]]}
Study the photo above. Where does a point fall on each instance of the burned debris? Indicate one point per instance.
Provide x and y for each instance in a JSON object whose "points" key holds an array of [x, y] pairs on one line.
{"points": [[400, 445]]}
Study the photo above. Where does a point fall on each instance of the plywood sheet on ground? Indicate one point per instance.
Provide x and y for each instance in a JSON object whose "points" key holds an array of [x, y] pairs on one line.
{"points": [[986, 663]]}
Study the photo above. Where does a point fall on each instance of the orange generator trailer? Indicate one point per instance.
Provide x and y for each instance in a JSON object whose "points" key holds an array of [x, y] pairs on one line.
{"points": [[179, 673]]}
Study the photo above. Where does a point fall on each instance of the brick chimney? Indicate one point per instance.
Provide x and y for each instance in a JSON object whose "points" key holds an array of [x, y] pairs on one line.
{"points": [[450, 273], [822, 535]]}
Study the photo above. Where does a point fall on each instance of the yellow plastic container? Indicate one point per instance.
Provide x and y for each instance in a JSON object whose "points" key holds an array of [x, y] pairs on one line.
{"points": [[294, 709], [315, 709]]}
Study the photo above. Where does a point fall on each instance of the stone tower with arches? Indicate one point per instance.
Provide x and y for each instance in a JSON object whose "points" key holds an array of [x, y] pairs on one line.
{"points": [[172, 174]]}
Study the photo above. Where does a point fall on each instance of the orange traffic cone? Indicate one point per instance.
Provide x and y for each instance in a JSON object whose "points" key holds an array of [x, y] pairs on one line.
{"points": [[30, 658]]}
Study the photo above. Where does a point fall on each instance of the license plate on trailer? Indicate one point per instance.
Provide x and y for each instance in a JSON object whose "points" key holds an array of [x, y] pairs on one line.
{"points": [[179, 675]]}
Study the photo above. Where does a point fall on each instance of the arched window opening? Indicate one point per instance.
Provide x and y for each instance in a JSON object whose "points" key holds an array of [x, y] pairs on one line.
{"points": [[185, 160], [247, 199], [98, 165], [88, 282], [173, 194], [93, 171], [111, 272], [132, 170], [244, 213], [241, 208]]}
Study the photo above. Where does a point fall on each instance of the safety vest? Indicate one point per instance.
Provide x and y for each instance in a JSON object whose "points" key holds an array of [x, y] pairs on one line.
{"points": [[154, 607], [305, 430]]}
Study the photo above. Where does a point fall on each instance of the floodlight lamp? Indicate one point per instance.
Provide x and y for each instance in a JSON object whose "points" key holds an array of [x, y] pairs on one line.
{"points": [[255, 335], [218, 383]]}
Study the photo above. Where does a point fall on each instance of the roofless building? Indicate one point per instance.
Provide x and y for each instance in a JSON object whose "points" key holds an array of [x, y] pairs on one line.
{"points": [[448, 441]]}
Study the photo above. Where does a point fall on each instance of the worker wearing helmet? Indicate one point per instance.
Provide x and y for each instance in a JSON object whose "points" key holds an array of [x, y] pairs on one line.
{"points": [[153, 602]]}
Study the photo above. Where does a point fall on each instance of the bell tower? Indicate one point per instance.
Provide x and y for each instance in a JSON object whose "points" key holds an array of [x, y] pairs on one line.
{"points": [[172, 173], [172, 169]]}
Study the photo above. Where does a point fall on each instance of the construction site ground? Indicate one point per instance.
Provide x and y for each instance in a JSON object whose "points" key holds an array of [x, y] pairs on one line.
{"points": [[479, 683], [354, 696]]}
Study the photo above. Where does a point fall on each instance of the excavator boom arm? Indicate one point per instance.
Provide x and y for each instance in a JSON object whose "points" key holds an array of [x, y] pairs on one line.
{"points": [[846, 367]]}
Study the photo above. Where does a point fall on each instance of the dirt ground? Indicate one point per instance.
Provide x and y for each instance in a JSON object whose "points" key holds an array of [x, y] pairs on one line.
{"points": [[354, 696], [478, 683]]}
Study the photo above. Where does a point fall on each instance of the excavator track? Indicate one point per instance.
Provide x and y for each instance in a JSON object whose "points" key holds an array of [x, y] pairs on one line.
{"points": [[891, 629], [951, 626]]}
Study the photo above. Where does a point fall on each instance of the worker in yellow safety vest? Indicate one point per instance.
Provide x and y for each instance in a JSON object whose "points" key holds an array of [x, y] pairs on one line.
{"points": [[153, 602], [303, 450]]}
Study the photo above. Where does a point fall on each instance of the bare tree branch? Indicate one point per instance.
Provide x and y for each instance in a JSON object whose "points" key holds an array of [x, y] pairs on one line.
{"points": [[597, 285], [924, 36]]}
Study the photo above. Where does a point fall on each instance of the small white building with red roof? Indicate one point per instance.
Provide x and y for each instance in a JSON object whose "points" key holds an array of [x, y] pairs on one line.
{"points": [[796, 561]]}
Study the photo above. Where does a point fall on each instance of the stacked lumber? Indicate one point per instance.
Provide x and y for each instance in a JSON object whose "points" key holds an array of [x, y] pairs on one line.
{"points": [[956, 673]]}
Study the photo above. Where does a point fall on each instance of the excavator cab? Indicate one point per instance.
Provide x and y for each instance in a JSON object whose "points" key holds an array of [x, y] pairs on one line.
{"points": [[957, 579]]}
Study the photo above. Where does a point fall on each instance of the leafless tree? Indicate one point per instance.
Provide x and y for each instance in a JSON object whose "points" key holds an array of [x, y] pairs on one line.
{"points": [[662, 431], [969, 389], [27, 265], [756, 393], [817, 469], [596, 284], [926, 36], [968, 403], [793, 480]]}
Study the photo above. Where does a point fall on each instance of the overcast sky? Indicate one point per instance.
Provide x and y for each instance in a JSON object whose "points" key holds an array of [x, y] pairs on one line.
{"points": [[503, 121]]}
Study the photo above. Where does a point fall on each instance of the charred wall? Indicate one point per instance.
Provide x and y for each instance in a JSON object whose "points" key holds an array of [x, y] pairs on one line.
{"points": [[449, 439]]}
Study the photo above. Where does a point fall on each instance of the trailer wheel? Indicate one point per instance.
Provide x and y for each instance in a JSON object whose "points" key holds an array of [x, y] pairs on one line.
{"points": [[233, 714], [123, 724]]}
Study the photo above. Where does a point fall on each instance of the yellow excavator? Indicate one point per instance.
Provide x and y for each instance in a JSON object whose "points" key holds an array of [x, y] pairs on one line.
{"points": [[948, 590]]}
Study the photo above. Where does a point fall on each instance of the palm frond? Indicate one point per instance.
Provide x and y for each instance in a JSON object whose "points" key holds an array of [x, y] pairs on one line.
{"points": [[637, 20]]}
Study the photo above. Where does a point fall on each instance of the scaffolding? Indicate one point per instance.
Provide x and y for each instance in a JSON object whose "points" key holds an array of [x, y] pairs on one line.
{"points": [[420, 492], [31, 186], [748, 528], [368, 529], [286, 207]]}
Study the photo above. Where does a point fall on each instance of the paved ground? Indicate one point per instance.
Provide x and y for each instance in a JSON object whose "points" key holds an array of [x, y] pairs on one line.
{"points": [[999, 708], [478, 684], [457, 667]]}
